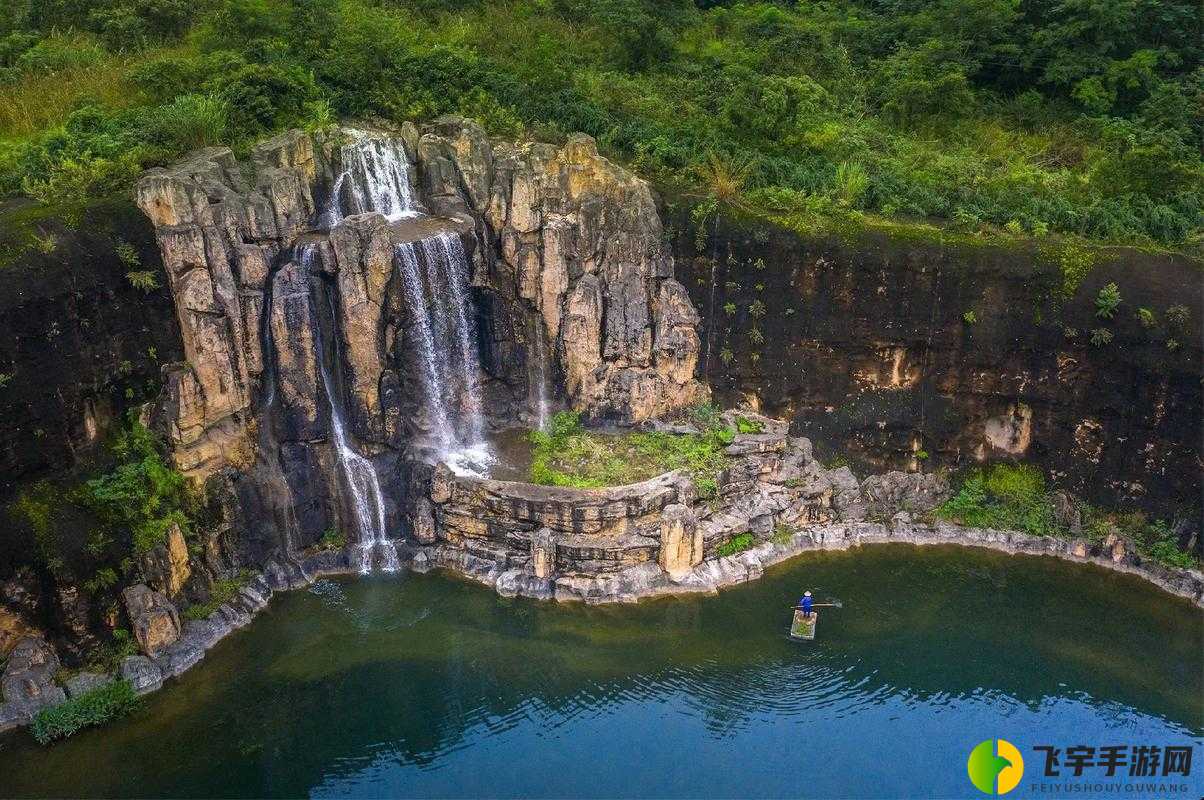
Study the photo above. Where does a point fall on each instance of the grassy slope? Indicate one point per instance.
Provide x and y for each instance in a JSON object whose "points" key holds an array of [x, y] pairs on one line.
{"points": [[755, 108]]}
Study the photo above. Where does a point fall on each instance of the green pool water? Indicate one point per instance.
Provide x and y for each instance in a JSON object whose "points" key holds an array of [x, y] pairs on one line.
{"points": [[425, 685]]}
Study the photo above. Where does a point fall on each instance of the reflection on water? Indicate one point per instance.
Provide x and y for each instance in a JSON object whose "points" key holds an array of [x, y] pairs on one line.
{"points": [[429, 686]]}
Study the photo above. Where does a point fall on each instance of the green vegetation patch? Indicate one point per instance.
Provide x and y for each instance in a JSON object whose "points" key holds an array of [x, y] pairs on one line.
{"points": [[142, 495], [96, 707], [222, 591], [736, 544], [568, 455], [1028, 119], [1005, 497], [746, 425], [1016, 497]]}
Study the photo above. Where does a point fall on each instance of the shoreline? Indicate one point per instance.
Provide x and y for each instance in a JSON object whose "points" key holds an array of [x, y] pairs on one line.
{"points": [[643, 582], [647, 581]]}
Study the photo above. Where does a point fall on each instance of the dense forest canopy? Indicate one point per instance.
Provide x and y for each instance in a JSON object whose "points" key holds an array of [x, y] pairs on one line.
{"points": [[1037, 116]]}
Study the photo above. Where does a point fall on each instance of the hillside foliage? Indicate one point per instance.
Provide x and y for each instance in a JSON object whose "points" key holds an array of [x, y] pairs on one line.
{"points": [[1073, 116]]}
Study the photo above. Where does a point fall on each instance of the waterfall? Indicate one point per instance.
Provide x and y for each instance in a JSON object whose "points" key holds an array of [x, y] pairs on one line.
{"points": [[376, 177], [540, 381], [430, 358], [435, 277], [434, 274], [444, 250], [359, 476]]}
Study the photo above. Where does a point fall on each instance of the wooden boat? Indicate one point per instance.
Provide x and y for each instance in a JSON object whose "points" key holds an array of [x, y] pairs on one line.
{"points": [[802, 627]]}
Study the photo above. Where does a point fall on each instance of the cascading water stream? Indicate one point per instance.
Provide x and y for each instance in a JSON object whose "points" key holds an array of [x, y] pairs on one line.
{"points": [[435, 276], [359, 476], [540, 380], [376, 176], [447, 264], [430, 358]]}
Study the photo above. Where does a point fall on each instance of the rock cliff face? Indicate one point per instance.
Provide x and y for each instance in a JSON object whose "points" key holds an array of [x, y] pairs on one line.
{"points": [[866, 347], [81, 344], [356, 294]]}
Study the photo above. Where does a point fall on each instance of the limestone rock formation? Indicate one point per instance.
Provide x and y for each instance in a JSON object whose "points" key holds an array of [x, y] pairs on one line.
{"points": [[166, 566], [353, 297], [561, 235], [912, 492], [581, 244], [543, 554], [153, 619], [681, 541]]}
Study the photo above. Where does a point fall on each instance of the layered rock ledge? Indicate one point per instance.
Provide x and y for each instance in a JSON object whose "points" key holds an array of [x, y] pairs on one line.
{"points": [[616, 545], [658, 537]]}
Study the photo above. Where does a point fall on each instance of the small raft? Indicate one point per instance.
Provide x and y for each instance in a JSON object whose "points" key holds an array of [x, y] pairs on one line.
{"points": [[802, 627]]}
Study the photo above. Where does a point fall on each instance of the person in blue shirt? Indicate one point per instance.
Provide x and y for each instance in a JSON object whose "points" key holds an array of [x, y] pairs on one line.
{"points": [[805, 605]]}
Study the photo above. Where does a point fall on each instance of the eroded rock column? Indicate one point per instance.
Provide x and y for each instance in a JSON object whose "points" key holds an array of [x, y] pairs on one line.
{"points": [[681, 541]]}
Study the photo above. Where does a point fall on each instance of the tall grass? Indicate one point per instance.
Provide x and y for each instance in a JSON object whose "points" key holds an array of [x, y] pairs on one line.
{"points": [[91, 708], [38, 101], [193, 120]]}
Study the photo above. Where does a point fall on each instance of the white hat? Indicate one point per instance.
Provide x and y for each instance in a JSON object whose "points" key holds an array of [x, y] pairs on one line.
{"points": [[806, 594]]}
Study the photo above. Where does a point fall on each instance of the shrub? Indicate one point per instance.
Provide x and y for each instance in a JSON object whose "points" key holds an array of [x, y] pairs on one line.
{"points": [[108, 657], [1146, 318], [851, 182], [143, 279], [1101, 337], [1004, 496], [736, 544], [36, 508], [1107, 300], [92, 708], [142, 497], [705, 416], [970, 317], [1177, 316], [332, 539]]}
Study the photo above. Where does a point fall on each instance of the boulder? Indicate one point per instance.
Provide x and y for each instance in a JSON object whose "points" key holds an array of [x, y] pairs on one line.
{"points": [[13, 628], [1066, 512], [1117, 548], [142, 673], [153, 618], [28, 679], [422, 521], [847, 500], [179, 656], [84, 682]]}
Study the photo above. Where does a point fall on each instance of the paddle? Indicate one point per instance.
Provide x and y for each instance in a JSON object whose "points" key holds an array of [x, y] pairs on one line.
{"points": [[834, 604]]}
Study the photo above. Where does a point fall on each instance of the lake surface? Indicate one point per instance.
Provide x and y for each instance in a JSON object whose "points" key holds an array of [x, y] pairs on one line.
{"points": [[425, 685]]}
